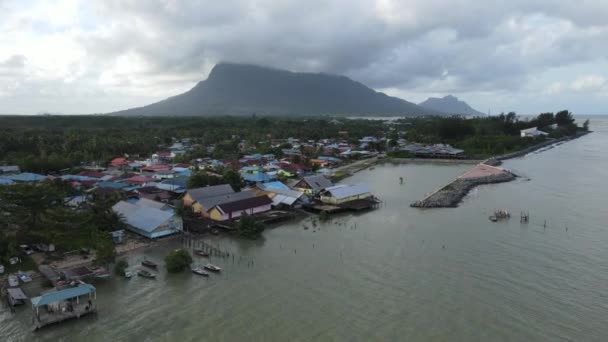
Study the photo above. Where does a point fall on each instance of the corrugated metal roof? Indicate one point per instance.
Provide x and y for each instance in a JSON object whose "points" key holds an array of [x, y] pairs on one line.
{"points": [[209, 202], [62, 295], [199, 194], [258, 177], [317, 183], [142, 217], [25, 177], [344, 191], [244, 204], [276, 184]]}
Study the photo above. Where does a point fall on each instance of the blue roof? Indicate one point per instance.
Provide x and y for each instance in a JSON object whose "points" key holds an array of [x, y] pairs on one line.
{"points": [[25, 177], [276, 184], [258, 177], [175, 182], [78, 178], [112, 185], [4, 181], [59, 296], [185, 173]]}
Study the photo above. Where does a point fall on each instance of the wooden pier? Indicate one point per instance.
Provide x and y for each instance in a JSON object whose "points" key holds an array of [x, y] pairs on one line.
{"points": [[79, 310]]}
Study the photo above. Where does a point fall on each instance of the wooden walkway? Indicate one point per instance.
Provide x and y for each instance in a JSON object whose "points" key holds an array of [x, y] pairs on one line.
{"points": [[45, 319]]}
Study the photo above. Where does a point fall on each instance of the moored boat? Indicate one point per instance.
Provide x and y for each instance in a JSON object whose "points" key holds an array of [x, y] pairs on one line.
{"points": [[200, 271], [146, 274], [24, 277], [201, 252], [149, 263], [128, 274], [212, 268]]}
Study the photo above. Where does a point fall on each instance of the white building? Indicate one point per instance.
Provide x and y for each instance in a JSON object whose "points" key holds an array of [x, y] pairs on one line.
{"points": [[532, 133]]}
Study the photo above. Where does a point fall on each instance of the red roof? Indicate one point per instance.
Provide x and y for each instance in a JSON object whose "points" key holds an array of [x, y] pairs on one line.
{"points": [[119, 161]]}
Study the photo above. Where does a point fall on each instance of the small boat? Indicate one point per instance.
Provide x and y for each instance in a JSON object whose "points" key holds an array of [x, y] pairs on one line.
{"points": [[200, 271], [128, 274], [24, 277], [212, 268], [104, 275], [13, 280], [146, 274], [493, 218], [149, 263], [201, 252]]}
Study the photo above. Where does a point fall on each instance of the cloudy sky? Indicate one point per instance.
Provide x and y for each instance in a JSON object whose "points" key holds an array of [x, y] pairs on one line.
{"points": [[89, 56]]}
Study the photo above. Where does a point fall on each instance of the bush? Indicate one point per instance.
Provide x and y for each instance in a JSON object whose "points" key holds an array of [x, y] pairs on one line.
{"points": [[248, 227], [121, 267], [178, 260]]}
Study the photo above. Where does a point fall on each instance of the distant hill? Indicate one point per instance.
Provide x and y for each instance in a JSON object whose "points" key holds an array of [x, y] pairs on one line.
{"points": [[449, 105], [240, 89]]}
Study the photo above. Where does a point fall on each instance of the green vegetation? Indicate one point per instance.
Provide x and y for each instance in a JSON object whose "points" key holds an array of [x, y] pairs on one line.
{"points": [[249, 227], [203, 178], [121, 267], [324, 216], [51, 143], [178, 260], [34, 213], [485, 136]]}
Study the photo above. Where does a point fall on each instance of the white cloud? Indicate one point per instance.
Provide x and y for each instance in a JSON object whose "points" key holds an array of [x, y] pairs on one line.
{"points": [[107, 54]]}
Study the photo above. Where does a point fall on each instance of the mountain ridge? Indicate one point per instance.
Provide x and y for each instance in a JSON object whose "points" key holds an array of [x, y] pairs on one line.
{"points": [[244, 89], [449, 104]]}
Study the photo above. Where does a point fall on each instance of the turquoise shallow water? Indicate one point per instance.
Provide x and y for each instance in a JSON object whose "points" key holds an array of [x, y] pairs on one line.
{"points": [[396, 273]]}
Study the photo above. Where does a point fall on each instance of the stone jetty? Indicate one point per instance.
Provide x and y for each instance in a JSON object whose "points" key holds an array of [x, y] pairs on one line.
{"points": [[450, 195]]}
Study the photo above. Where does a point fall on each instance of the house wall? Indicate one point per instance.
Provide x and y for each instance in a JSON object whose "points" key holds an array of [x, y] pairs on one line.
{"points": [[198, 208], [333, 200], [216, 215], [188, 200]]}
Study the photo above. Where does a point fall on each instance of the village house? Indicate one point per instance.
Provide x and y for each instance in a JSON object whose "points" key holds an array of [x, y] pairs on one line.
{"points": [[312, 185], [201, 200], [235, 209], [25, 177], [148, 220], [9, 169], [119, 162], [281, 195], [343, 193], [532, 133]]}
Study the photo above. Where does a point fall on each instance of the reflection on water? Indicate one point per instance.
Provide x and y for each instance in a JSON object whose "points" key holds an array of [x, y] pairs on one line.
{"points": [[396, 273]]}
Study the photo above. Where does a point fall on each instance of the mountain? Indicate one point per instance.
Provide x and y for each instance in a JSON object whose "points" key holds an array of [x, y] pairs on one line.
{"points": [[241, 89], [449, 105]]}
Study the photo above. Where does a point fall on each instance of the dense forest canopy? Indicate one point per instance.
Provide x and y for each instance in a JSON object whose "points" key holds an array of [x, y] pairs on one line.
{"points": [[50, 143]]}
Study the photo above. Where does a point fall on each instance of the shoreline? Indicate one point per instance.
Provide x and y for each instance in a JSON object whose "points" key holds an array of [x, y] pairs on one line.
{"points": [[452, 194]]}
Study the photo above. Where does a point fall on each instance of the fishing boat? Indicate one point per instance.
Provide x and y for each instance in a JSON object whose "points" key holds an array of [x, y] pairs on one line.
{"points": [[149, 263], [200, 271], [201, 252], [13, 280], [212, 268], [146, 274], [24, 277], [128, 274]]}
